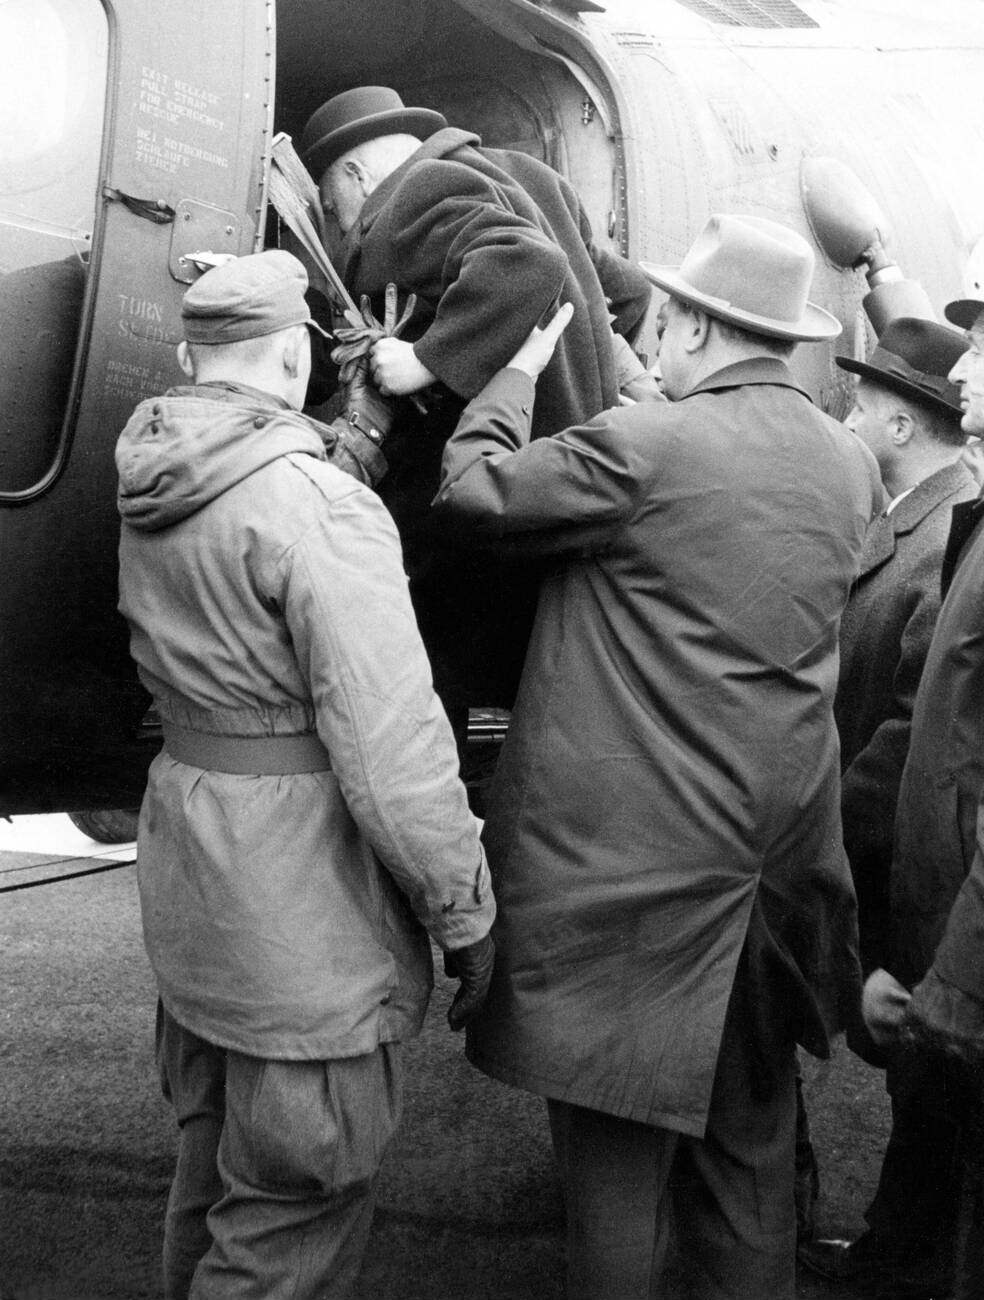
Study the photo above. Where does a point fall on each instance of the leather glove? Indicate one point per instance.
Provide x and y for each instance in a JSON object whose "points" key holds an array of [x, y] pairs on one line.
{"points": [[473, 966], [364, 406], [362, 403], [356, 341]]}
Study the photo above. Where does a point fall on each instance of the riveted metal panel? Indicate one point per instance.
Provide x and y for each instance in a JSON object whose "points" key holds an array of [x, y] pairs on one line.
{"points": [[188, 111]]}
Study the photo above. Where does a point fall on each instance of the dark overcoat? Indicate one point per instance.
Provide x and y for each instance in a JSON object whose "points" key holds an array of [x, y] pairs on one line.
{"points": [[938, 831], [487, 239], [672, 765], [885, 636]]}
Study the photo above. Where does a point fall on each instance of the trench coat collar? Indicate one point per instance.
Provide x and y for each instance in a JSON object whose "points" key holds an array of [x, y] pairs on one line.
{"points": [[879, 540], [754, 370], [438, 145]]}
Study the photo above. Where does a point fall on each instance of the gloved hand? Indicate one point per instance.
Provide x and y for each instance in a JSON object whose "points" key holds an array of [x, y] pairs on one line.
{"points": [[355, 342], [360, 397], [364, 405], [473, 966]]}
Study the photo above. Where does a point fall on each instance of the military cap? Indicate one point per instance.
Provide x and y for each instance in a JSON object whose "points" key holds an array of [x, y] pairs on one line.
{"points": [[247, 298]]}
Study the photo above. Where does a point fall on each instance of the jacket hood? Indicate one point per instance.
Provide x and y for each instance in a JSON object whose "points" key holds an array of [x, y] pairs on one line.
{"points": [[181, 451]]}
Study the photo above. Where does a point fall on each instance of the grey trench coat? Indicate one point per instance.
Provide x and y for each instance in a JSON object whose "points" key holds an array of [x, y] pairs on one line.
{"points": [[672, 767]]}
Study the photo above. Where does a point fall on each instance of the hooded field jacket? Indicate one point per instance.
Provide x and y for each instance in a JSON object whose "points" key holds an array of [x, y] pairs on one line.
{"points": [[286, 916]]}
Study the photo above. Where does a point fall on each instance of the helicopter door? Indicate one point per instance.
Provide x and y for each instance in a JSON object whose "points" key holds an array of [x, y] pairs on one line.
{"points": [[133, 136]]}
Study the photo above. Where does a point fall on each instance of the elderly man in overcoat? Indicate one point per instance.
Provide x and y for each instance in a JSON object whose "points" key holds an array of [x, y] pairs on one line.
{"points": [[487, 239], [676, 909]]}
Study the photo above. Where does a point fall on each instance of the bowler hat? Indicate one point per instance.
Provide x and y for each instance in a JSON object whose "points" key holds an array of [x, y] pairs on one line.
{"points": [[913, 358], [360, 114], [247, 298], [964, 312], [750, 272]]}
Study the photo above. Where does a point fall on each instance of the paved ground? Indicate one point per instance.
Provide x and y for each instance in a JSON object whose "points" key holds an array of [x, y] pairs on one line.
{"points": [[468, 1207]]}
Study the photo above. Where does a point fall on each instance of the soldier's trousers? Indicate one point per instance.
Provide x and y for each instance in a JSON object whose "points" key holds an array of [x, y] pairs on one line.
{"points": [[274, 1188]]}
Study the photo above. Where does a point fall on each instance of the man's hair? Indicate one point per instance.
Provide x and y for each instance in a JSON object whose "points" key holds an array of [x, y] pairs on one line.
{"points": [[781, 348], [935, 424], [242, 352]]}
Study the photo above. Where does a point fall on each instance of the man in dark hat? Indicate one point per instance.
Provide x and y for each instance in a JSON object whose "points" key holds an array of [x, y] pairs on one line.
{"points": [[939, 902], [908, 414], [935, 927], [487, 239], [304, 829], [675, 905]]}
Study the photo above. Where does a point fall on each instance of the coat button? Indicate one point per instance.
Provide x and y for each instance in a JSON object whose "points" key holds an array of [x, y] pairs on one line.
{"points": [[259, 422], [386, 999]]}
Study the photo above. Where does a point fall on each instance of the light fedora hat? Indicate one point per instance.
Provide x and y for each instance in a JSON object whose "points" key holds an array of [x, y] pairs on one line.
{"points": [[357, 115], [751, 272]]}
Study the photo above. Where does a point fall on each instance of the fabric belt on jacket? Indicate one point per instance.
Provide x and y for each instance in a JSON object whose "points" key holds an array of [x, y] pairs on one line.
{"points": [[247, 755]]}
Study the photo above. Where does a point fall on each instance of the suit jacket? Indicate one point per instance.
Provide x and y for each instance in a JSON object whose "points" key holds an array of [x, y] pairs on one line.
{"points": [[885, 636], [672, 763], [487, 239]]}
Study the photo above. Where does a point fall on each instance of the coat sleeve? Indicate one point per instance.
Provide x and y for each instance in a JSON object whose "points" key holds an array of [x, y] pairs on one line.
{"points": [[948, 1004], [347, 607], [568, 494], [492, 271], [870, 785]]}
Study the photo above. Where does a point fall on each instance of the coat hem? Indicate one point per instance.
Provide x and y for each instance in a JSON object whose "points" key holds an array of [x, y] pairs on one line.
{"points": [[554, 1090], [301, 1046]]}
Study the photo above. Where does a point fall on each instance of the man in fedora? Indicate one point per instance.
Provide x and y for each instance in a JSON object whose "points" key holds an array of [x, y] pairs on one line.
{"points": [[487, 239], [934, 946], [675, 906], [908, 415], [304, 831]]}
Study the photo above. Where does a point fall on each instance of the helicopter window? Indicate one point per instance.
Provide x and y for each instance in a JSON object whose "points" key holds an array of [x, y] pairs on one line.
{"points": [[51, 125]]}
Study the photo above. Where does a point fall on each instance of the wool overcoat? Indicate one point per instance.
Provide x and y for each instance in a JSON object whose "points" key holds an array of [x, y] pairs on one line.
{"points": [[939, 829], [885, 636], [487, 239], [671, 771]]}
